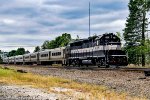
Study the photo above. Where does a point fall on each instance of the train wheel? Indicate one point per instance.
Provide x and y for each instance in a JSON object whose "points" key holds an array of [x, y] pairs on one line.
{"points": [[107, 66], [78, 63], [117, 67], [74, 63], [67, 63], [99, 63]]}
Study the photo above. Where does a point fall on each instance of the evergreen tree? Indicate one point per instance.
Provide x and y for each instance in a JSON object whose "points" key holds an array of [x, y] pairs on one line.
{"points": [[132, 32], [135, 28]]}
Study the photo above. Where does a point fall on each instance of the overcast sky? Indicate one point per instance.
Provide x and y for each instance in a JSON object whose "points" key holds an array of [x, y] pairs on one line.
{"points": [[28, 23]]}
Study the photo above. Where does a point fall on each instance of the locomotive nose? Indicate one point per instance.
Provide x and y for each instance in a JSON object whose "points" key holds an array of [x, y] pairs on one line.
{"points": [[118, 60]]}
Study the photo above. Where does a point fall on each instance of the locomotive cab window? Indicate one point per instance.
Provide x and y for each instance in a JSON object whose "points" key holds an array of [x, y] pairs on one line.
{"points": [[109, 39]]}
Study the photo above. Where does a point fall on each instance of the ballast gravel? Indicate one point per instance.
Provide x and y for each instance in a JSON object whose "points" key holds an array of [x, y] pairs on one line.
{"points": [[8, 92], [133, 83]]}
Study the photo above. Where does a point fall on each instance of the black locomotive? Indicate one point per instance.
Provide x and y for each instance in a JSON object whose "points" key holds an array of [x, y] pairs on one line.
{"points": [[104, 50]]}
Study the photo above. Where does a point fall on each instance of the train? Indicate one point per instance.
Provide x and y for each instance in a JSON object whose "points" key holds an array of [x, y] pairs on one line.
{"points": [[102, 51]]}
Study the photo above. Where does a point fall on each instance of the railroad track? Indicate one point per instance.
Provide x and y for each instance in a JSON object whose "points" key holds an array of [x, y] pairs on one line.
{"points": [[94, 68], [103, 68], [146, 71]]}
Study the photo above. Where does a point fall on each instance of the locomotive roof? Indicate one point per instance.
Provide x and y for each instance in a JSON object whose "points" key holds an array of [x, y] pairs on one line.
{"points": [[85, 39], [90, 38]]}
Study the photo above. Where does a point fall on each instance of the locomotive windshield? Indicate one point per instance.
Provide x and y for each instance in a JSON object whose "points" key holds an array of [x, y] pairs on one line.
{"points": [[109, 39]]}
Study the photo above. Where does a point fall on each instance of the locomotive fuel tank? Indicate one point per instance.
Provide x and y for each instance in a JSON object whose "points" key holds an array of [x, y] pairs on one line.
{"points": [[87, 62]]}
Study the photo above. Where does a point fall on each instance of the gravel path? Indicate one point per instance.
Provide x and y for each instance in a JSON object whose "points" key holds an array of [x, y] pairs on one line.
{"points": [[26, 93], [133, 83]]}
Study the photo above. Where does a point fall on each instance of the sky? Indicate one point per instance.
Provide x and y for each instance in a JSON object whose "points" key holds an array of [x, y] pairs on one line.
{"points": [[28, 23]]}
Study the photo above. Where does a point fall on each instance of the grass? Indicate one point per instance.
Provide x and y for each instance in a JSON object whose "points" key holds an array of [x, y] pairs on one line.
{"points": [[87, 91], [138, 66]]}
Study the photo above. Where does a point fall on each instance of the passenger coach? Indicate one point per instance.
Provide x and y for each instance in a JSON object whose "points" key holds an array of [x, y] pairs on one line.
{"points": [[50, 56]]}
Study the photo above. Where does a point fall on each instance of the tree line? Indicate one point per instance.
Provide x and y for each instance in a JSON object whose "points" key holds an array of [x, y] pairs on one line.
{"points": [[59, 41], [19, 51]]}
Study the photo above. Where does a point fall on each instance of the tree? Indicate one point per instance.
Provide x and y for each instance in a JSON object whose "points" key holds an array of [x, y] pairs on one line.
{"points": [[132, 32], [12, 53], [145, 8], [66, 38], [119, 35], [20, 51], [136, 26], [45, 44], [59, 41], [37, 49]]}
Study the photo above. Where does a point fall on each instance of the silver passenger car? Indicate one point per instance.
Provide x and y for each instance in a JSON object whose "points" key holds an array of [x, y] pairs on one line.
{"points": [[27, 58], [6, 60], [44, 55], [52, 56], [58, 54], [11, 60], [19, 59], [34, 57]]}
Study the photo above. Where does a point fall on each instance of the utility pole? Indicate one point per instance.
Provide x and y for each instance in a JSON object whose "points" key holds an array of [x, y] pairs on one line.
{"points": [[143, 37], [89, 20]]}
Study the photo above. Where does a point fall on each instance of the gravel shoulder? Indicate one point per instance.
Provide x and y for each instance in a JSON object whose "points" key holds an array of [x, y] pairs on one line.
{"points": [[133, 83], [11, 92]]}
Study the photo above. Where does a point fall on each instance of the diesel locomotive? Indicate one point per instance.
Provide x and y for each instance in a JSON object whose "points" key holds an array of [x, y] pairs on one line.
{"points": [[103, 50]]}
